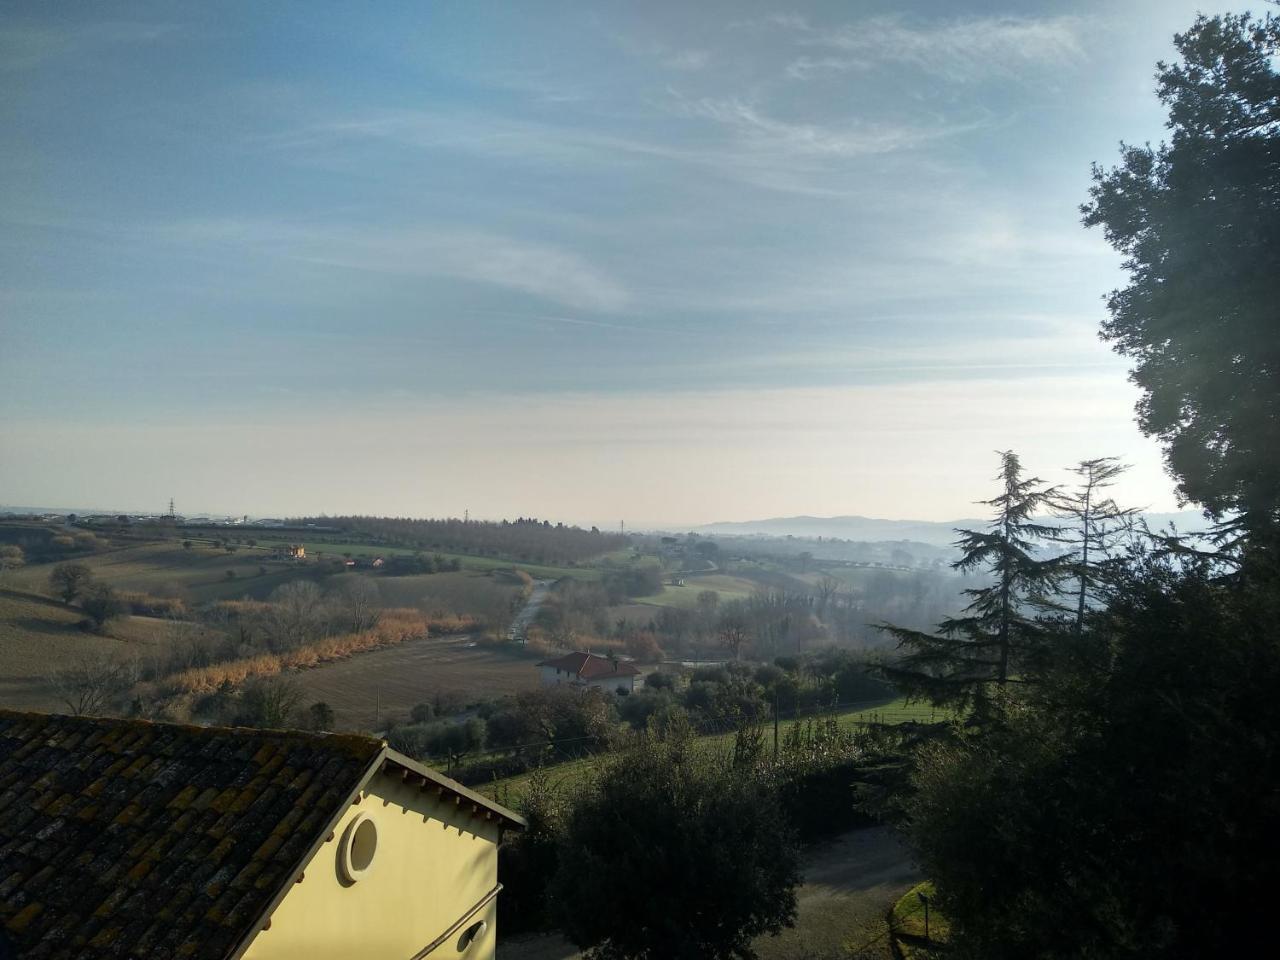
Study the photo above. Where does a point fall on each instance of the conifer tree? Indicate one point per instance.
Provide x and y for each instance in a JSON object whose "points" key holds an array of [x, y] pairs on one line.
{"points": [[997, 636], [1095, 525]]}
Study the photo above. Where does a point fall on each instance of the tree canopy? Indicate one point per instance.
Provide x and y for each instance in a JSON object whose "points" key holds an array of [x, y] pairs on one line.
{"points": [[1198, 221], [674, 854]]}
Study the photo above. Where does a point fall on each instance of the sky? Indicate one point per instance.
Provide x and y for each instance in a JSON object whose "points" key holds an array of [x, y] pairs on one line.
{"points": [[662, 263]]}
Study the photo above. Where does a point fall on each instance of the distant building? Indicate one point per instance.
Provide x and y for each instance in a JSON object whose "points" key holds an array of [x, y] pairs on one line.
{"points": [[589, 670], [125, 838], [291, 551]]}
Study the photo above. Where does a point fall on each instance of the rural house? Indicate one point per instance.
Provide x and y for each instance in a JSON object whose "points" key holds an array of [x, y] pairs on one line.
{"points": [[589, 670], [131, 839]]}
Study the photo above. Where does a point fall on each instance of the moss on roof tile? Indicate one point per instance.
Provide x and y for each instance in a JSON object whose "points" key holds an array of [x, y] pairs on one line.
{"points": [[161, 840]]}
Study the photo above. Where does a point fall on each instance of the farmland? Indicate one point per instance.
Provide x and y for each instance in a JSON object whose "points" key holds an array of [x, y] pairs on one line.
{"points": [[38, 636], [341, 548], [165, 568], [364, 691]]}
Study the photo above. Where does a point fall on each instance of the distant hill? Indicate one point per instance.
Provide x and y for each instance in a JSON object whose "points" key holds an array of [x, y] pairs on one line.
{"points": [[872, 529]]}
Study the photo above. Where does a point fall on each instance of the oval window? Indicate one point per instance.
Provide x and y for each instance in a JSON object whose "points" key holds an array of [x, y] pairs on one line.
{"points": [[359, 844]]}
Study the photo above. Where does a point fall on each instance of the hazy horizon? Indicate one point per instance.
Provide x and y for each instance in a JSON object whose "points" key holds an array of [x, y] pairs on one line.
{"points": [[673, 264]]}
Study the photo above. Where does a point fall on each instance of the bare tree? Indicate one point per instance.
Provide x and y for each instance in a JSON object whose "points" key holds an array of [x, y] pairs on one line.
{"points": [[359, 604], [297, 614], [91, 685], [732, 631], [827, 588], [69, 580]]}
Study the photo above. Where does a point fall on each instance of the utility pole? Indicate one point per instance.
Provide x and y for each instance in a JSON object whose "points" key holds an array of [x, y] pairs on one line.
{"points": [[466, 516]]}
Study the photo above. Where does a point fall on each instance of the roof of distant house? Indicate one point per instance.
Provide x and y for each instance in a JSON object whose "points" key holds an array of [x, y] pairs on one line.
{"points": [[588, 666], [125, 838]]}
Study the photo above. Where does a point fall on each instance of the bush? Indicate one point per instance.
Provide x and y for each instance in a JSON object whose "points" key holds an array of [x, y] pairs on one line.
{"points": [[102, 604], [269, 703], [672, 853]]}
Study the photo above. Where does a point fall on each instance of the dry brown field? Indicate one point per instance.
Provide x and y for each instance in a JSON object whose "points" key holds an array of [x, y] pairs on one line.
{"points": [[366, 689], [40, 636]]}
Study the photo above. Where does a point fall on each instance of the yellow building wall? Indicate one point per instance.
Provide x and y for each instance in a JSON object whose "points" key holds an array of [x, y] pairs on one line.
{"points": [[433, 863]]}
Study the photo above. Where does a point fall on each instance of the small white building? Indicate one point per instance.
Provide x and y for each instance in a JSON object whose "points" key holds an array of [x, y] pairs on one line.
{"points": [[589, 670]]}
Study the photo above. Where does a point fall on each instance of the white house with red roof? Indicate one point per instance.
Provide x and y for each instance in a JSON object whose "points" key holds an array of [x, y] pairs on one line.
{"points": [[589, 670]]}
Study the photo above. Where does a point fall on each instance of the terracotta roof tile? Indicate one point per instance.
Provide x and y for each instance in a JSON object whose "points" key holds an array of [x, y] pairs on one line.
{"points": [[588, 666], [138, 840]]}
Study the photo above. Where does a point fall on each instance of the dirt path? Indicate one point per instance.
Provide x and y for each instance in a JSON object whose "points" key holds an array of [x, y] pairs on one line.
{"points": [[849, 884], [520, 624]]}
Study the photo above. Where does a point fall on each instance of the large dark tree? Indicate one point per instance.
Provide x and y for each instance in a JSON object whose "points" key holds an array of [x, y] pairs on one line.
{"points": [[1198, 221], [1126, 807], [674, 854], [997, 637]]}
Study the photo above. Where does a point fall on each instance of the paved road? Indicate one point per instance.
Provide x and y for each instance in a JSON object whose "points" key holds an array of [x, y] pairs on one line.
{"points": [[520, 625], [850, 882]]}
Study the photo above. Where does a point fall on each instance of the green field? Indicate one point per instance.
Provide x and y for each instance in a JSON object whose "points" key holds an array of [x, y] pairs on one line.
{"points": [[164, 567], [728, 587], [566, 775], [539, 571]]}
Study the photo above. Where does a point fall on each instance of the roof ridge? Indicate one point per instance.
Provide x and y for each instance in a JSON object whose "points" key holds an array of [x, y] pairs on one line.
{"points": [[352, 741]]}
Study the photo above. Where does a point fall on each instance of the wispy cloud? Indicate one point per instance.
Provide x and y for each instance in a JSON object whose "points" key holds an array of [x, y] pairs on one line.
{"points": [[686, 60], [739, 141], [540, 269], [25, 48], [852, 138], [962, 50]]}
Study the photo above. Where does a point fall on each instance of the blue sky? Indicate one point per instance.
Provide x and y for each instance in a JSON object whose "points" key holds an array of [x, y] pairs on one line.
{"points": [[667, 262]]}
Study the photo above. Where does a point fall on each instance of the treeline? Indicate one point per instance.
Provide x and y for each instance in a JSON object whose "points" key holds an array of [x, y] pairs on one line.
{"points": [[784, 616], [539, 727], [525, 538]]}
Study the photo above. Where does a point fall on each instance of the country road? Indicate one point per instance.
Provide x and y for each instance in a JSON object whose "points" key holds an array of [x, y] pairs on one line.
{"points": [[520, 625]]}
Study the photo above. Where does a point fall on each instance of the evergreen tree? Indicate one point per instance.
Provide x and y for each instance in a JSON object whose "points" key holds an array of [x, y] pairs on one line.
{"points": [[997, 637], [1096, 523]]}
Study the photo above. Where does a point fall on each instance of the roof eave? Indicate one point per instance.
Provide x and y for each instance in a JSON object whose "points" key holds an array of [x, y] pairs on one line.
{"points": [[511, 818]]}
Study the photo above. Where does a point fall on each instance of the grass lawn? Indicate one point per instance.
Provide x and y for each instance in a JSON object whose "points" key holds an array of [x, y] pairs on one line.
{"points": [[907, 923]]}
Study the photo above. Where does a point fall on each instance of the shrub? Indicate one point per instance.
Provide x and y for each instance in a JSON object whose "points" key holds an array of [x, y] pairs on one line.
{"points": [[672, 853], [102, 604]]}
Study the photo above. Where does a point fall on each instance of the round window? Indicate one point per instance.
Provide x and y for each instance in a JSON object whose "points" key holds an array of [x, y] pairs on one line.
{"points": [[359, 844]]}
